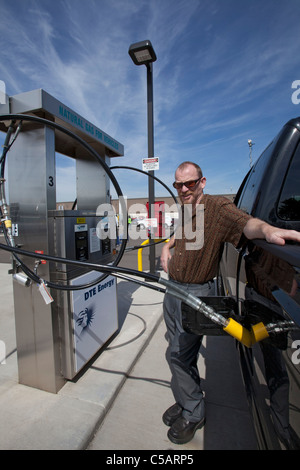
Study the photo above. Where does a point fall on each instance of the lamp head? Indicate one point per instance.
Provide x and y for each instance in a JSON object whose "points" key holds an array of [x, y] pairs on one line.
{"points": [[142, 53]]}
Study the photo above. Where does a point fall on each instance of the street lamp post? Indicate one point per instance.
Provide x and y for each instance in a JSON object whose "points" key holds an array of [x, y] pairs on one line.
{"points": [[142, 53]]}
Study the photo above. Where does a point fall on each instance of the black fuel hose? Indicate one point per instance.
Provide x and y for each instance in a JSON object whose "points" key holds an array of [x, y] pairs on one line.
{"points": [[109, 269], [147, 174]]}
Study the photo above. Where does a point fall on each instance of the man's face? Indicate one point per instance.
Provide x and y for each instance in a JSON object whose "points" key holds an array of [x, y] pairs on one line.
{"points": [[192, 195]]}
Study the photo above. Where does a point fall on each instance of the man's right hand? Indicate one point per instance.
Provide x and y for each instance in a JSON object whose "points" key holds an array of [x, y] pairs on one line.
{"points": [[165, 257]]}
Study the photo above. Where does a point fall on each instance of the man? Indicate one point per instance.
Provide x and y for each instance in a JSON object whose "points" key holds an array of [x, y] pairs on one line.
{"points": [[195, 269]]}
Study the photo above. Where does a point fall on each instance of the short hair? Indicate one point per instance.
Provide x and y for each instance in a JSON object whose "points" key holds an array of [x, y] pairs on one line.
{"points": [[185, 164]]}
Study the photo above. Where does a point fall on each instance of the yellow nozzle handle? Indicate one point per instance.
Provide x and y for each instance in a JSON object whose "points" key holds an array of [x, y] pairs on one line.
{"points": [[247, 338], [259, 332], [240, 333]]}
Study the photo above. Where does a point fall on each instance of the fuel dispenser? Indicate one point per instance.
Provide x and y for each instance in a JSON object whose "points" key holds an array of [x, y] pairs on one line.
{"points": [[58, 331]]}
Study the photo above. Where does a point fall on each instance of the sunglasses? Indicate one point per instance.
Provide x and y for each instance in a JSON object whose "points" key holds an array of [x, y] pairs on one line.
{"points": [[188, 184]]}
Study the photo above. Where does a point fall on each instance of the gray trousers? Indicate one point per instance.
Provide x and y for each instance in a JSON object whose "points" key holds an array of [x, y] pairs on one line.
{"points": [[182, 354]]}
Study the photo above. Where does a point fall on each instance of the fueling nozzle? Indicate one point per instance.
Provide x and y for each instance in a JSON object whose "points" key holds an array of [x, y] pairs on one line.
{"points": [[258, 332], [230, 326], [239, 332], [248, 337]]}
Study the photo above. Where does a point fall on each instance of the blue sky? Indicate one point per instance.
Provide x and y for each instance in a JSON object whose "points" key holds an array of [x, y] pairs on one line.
{"points": [[223, 75]]}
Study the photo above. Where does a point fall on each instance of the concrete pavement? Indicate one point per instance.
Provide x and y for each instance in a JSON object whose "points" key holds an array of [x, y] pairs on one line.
{"points": [[111, 405], [135, 420]]}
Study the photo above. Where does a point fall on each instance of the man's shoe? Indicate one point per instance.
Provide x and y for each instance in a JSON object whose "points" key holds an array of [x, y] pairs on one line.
{"points": [[182, 431], [172, 414]]}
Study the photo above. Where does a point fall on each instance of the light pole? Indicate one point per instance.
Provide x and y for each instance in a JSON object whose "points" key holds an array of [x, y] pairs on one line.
{"points": [[142, 53]]}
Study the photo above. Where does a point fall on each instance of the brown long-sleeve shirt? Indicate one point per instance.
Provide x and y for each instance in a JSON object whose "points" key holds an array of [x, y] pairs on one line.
{"points": [[223, 222]]}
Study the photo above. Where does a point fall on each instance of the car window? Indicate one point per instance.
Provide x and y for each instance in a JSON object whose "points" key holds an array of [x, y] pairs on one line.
{"points": [[289, 201], [247, 201]]}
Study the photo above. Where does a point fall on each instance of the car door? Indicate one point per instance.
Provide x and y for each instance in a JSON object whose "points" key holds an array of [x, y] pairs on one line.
{"points": [[264, 280]]}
